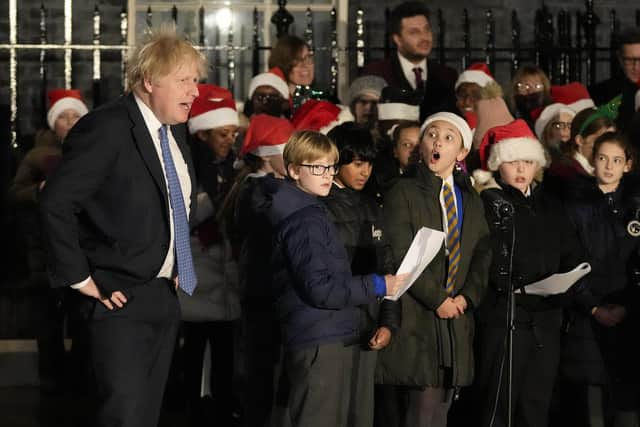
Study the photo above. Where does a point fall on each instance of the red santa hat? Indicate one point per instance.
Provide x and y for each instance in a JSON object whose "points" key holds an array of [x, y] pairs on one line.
{"points": [[267, 135], [508, 143], [547, 114], [574, 95], [274, 78], [457, 121], [477, 73], [213, 108], [320, 116], [64, 99]]}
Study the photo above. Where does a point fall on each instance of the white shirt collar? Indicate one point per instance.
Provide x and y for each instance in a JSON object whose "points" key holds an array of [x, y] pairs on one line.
{"points": [[584, 162], [449, 181], [407, 69], [150, 119]]}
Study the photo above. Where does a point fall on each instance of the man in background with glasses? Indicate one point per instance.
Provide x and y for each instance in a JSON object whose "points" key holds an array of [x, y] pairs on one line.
{"points": [[624, 82]]}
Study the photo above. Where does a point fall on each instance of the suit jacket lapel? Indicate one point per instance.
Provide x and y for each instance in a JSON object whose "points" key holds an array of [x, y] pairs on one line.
{"points": [[145, 146]]}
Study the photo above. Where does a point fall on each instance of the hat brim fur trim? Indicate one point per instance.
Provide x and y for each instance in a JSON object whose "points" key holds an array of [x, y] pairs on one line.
{"points": [[474, 76], [268, 150], [214, 119], [269, 79], [583, 104], [344, 117], [549, 112], [67, 103], [457, 121], [398, 111], [512, 149]]}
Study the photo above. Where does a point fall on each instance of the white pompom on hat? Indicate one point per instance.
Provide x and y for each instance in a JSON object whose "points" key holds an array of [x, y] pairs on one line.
{"points": [[64, 99], [274, 78], [457, 121]]}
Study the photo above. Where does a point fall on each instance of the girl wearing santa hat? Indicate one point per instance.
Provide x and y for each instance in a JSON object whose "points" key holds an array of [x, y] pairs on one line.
{"points": [[251, 234], [209, 314], [531, 239], [65, 108]]}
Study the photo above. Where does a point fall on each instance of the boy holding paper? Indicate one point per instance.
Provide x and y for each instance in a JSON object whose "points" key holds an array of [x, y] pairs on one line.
{"points": [[316, 295], [432, 353], [545, 243]]}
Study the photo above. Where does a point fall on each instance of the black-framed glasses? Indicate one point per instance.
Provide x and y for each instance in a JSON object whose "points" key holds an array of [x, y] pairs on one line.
{"points": [[630, 60], [319, 170], [561, 125]]}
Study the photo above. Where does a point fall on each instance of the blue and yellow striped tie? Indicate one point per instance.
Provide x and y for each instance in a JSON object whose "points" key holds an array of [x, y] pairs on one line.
{"points": [[453, 237]]}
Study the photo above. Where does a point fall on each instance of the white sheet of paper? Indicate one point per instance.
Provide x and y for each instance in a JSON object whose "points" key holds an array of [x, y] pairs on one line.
{"points": [[424, 247], [557, 283]]}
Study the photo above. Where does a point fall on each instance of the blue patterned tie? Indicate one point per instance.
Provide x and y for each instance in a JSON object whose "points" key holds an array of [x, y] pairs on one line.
{"points": [[186, 272]]}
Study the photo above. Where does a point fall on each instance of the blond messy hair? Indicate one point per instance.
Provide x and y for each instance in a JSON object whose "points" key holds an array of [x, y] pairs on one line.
{"points": [[308, 146], [159, 54]]}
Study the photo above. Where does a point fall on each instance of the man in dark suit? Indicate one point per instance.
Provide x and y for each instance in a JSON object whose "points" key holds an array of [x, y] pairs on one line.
{"points": [[409, 68], [625, 81], [115, 214]]}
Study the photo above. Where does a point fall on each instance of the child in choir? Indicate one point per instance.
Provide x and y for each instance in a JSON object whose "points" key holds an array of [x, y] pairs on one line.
{"points": [[432, 352], [316, 296], [532, 238], [600, 357]]}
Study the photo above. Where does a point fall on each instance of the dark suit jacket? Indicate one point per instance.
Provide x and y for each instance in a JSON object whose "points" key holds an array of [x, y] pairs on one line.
{"points": [[439, 94], [105, 210]]}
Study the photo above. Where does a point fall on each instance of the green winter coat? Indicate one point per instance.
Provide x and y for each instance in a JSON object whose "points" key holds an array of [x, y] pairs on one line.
{"points": [[425, 343]]}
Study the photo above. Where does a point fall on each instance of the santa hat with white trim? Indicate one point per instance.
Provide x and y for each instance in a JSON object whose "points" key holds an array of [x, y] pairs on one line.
{"points": [[575, 95], [508, 143], [213, 108], [320, 116], [457, 121], [64, 99], [477, 73], [266, 136], [274, 78], [549, 113]]}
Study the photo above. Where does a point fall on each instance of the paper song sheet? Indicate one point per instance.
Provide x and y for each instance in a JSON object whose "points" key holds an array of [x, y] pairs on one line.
{"points": [[557, 283], [424, 247]]}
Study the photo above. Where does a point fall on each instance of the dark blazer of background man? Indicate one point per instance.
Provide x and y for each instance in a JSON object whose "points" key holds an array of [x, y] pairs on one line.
{"points": [[108, 222], [626, 81], [412, 34]]}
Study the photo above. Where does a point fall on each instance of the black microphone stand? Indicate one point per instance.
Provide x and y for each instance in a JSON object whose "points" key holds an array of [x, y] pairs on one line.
{"points": [[503, 212]]}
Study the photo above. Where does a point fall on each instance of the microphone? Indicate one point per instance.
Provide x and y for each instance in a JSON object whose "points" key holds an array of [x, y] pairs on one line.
{"points": [[502, 209]]}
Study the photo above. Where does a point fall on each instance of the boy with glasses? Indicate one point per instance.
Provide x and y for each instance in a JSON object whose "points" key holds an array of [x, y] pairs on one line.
{"points": [[316, 296]]}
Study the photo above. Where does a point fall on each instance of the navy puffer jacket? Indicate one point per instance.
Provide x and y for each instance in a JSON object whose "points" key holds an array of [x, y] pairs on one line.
{"points": [[316, 296]]}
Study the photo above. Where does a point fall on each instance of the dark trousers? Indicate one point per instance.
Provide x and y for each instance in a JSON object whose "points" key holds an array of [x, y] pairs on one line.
{"points": [[219, 335], [390, 405], [428, 407], [261, 353], [320, 382], [131, 351], [362, 387], [536, 357]]}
